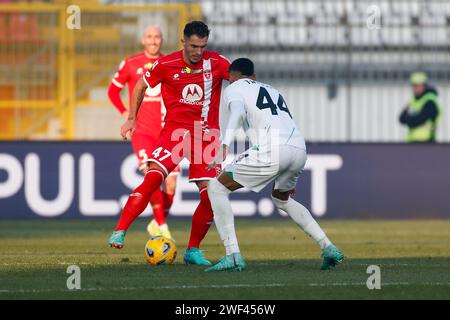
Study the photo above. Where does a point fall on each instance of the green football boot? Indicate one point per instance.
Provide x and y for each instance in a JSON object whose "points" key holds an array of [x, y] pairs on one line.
{"points": [[195, 256], [331, 257], [232, 262], [117, 239]]}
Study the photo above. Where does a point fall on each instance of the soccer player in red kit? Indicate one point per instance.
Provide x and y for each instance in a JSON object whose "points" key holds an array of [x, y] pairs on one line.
{"points": [[191, 89], [149, 122]]}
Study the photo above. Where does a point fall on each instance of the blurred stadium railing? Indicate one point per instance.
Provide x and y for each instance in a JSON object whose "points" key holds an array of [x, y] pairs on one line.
{"points": [[53, 79], [344, 74], [343, 65]]}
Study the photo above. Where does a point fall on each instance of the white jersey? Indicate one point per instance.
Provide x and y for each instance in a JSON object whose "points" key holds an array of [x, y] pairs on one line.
{"points": [[268, 121]]}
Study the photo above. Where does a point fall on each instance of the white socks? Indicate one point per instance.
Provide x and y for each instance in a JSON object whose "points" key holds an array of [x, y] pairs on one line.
{"points": [[303, 218], [223, 215]]}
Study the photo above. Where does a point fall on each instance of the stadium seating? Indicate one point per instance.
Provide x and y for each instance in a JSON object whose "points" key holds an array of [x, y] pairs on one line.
{"points": [[322, 22], [267, 18]]}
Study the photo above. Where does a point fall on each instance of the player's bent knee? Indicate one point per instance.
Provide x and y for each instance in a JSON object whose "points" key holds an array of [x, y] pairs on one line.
{"points": [[280, 204]]}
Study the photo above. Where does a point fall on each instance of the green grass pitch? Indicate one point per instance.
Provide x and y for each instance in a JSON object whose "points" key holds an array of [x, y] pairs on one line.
{"points": [[283, 263]]}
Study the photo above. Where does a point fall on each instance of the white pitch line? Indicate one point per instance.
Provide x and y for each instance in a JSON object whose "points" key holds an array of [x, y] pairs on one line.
{"points": [[225, 286], [45, 264], [382, 284]]}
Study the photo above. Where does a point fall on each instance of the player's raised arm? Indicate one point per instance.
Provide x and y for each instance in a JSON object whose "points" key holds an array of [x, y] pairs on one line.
{"points": [[136, 99]]}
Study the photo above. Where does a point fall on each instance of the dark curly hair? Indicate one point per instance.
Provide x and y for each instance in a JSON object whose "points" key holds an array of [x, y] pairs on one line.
{"points": [[244, 66]]}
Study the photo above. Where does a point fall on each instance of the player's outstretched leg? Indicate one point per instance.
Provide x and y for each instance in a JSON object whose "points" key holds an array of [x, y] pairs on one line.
{"points": [[201, 221], [224, 220], [136, 203], [330, 253]]}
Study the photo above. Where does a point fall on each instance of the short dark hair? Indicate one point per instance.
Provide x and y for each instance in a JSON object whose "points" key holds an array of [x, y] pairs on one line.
{"points": [[243, 65], [198, 28]]}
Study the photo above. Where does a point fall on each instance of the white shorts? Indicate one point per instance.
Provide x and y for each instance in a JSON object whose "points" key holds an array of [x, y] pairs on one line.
{"points": [[255, 169]]}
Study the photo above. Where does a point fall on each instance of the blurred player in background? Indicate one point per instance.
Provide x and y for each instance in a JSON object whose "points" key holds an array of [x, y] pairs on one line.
{"points": [[191, 88], [277, 153], [149, 123], [423, 113]]}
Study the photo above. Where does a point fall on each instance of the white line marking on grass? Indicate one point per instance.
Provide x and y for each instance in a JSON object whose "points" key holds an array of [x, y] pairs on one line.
{"points": [[400, 264], [222, 286], [345, 284], [43, 263]]}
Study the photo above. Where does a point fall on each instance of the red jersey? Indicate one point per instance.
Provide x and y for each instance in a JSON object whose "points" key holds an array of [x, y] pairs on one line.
{"points": [[190, 92], [150, 115]]}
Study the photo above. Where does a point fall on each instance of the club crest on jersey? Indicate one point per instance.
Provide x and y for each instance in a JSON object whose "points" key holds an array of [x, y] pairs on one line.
{"points": [[192, 94], [149, 65], [189, 70], [207, 74]]}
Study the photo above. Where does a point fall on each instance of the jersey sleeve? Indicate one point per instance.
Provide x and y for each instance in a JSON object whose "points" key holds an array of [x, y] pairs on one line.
{"points": [[122, 75], [154, 76]]}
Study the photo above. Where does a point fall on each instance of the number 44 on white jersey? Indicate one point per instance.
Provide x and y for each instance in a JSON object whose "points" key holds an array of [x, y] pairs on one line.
{"points": [[267, 115]]}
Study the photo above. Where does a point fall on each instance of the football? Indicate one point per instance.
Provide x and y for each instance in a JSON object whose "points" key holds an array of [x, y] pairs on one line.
{"points": [[160, 251]]}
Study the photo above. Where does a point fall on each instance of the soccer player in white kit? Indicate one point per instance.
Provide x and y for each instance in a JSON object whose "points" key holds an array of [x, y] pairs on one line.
{"points": [[277, 153]]}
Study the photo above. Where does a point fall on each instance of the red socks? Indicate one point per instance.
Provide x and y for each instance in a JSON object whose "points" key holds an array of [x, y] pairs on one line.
{"points": [[157, 202], [168, 201], [201, 220], [138, 200]]}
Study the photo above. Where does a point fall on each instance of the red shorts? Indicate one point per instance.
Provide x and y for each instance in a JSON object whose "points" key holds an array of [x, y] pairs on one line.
{"points": [[142, 145], [178, 142]]}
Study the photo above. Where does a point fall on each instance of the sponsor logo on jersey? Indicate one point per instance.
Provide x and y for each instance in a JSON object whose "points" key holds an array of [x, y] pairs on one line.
{"points": [[192, 94], [189, 70]]}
